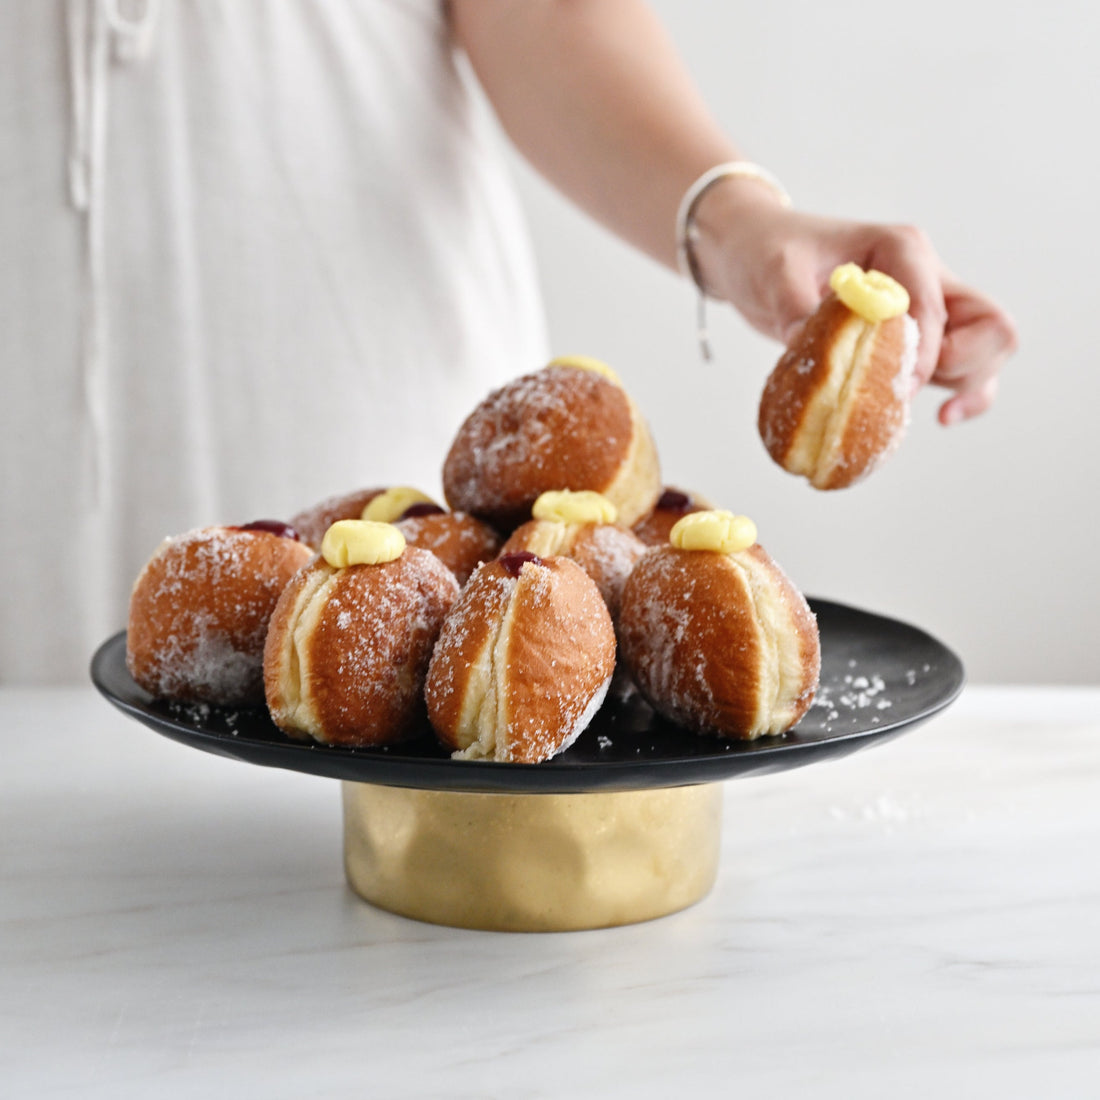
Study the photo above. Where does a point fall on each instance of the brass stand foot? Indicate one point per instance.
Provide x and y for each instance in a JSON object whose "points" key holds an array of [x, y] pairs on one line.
{"points": [[531, 862]]}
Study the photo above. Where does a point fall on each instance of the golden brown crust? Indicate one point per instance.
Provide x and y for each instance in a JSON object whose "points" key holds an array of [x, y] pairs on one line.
{"points": [[199, 612], [463, 651], [876, 408], [607, 552], [312, 523], [460, 541], [522, 663], [720, 643], [803, 370], [558, 428], [837, 402], [348, 648]]}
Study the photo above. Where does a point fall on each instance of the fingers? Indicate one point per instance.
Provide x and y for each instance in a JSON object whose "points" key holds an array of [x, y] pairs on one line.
{"points": [[784, 293], [965, 337], [783, 284], [969, 402], [801, 296], [978, 339], [977, 330], [794, 281], [906, 254]]}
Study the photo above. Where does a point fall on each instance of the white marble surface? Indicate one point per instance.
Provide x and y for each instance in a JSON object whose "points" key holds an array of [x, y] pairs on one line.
{"points": [[920, 919]]}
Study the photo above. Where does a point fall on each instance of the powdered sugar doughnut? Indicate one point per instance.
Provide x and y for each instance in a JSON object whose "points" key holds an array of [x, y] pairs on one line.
{"points": [[348, 648], [460, 541], [199, 612], [563, 427], [837, 403], [312, 523], [720, 643], [523, 661], [607, 552]]}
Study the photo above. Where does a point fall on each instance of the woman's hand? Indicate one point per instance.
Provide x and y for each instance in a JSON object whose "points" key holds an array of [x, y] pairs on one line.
{"points": [[596, 98], [773, 265]]}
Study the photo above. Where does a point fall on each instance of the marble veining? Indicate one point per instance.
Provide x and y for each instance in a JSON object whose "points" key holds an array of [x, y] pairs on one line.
{"points": [[918, 919]]}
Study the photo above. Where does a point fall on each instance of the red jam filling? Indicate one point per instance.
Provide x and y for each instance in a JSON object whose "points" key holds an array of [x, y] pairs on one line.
{"points": [[672, 500], [271, 527], [423, 508], [514, 562]]}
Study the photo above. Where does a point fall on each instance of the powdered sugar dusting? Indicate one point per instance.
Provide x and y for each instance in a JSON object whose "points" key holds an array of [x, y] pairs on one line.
{"points": [[903, 380], [460, 621], [584, 719], [200, 609], [661, 628], [460, 541], [551, 664], [312, 523], [532, 424], [720, 643], [859, 697], [363, 662], [608, 554]]}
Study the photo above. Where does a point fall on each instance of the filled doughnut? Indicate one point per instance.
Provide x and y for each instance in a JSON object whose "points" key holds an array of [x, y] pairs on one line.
{"points": [[312, 523], [837, 403], [200, 607], [523, 661], [462, 542], [581, 525], [351, 637], [672, 505], [570, 425], [717, 637]]}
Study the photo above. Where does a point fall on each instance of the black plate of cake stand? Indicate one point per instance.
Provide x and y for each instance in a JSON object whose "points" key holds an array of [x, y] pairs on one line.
{"points": [[879, 677]]}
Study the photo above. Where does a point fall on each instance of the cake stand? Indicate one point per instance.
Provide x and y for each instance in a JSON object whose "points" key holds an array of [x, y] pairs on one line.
{"points": [[624, 826]]}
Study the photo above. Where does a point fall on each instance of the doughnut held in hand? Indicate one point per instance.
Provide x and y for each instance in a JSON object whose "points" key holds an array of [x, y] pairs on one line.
{"points": [[199, 612], [523, 661], [837, 403], [717, 637]]}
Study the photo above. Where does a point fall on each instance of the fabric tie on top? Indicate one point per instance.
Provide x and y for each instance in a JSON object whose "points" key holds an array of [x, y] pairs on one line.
{"points": [[99, 32]]}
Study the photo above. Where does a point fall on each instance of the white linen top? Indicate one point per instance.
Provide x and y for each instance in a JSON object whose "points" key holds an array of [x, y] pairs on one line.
{"points": [[255, 253]]}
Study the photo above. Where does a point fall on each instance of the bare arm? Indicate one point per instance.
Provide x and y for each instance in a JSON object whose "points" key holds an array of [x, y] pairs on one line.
{"points": [[594, 95]]}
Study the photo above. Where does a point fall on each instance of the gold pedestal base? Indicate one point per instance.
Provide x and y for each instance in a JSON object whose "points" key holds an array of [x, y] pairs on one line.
{"points": [[531, 862]]}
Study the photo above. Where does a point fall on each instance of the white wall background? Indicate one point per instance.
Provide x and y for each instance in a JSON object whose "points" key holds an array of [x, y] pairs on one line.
{"points": [[977, 121]]}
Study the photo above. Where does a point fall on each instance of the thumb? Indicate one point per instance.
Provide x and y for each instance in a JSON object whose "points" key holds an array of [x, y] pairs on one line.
{"points": [[798, 294]]}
